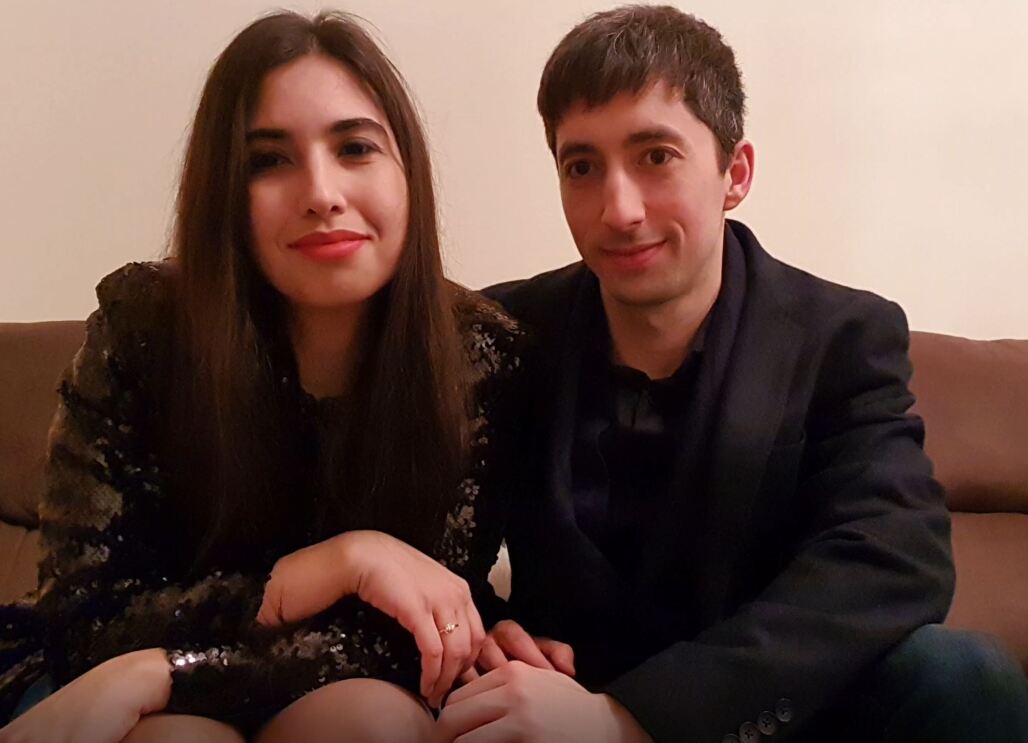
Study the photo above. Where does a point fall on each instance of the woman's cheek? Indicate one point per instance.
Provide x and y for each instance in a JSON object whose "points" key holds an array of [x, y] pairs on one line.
{"points": [[265, 215]]}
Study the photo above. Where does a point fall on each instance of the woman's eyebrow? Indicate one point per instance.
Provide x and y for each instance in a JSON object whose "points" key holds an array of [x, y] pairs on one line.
{"points": [[360, 122], [339, 127]]}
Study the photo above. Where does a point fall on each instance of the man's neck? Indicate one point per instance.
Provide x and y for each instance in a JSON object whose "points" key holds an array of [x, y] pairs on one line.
{"points": [[326, 344], [655, 339]]}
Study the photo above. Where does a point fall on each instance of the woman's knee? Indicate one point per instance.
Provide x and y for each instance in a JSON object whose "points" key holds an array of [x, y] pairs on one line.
{"points": [[161, 728], [364, 710]]}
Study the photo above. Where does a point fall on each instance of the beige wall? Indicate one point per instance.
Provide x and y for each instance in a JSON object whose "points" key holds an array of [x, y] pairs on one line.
{"points": [[890, 139]]}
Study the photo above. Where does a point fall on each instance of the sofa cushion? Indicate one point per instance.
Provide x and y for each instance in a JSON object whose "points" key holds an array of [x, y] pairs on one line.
{"points": [[991, 553], [32, 358], [973, 396]]}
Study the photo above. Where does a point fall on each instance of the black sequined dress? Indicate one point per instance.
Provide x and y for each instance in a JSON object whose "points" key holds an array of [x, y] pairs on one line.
{"points": [[107, 585]]}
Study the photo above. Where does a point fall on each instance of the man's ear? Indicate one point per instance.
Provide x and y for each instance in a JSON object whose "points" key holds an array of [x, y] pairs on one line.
{"points": [[739, 174]]}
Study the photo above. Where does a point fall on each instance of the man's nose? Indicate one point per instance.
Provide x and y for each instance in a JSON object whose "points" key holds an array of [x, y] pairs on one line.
{"points": [[623, 207]]}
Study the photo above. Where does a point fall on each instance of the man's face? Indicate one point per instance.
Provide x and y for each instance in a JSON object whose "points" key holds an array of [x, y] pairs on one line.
{"points": [[645, 196]]}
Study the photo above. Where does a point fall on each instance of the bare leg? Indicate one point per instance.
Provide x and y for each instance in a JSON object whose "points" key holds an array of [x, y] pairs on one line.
{"points": [[174, 728], [365, 710]]}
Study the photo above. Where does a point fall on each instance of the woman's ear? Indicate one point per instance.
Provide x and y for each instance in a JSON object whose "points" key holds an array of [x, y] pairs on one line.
{"points": [[738, 174]]}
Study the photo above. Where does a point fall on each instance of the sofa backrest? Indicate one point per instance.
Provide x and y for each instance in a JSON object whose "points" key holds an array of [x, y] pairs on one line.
{"points": [[32, 358], [972, 394]]}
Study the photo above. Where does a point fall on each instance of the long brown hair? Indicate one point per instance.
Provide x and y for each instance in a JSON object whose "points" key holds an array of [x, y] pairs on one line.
{"points": [[398, 459]]}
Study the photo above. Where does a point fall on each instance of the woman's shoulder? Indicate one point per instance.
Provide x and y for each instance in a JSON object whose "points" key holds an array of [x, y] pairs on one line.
{"points": [[135, 317], [492, 338], [137, 291], [137, 299]]}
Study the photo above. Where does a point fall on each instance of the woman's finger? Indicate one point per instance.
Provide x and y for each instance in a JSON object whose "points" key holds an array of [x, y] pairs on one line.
{"points": [[490, 656], [456, 649], [270, 613], [478, 633], [426, 637]]}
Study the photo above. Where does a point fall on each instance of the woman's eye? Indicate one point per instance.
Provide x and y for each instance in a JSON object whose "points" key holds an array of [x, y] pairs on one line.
{"points": [[261, 161], [357, 148]]}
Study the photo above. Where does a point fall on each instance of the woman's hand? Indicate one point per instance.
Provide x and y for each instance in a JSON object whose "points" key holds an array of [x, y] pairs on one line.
{"points": [[306, 582], [398, 580], [100, 706], [508, 641]]}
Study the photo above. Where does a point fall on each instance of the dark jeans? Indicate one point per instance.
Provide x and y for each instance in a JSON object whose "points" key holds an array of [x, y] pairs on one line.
{"points": [[938, 686]]}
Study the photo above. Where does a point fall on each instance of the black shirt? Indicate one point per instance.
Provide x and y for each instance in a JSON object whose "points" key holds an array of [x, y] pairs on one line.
{"points": [[635, 435]]}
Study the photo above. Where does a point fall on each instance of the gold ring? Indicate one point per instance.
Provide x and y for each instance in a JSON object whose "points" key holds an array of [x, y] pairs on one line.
{"points": [[449, 629]]}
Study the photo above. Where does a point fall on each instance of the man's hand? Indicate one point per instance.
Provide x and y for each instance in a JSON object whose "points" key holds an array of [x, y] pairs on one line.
{"points": [[517, 702], [508, 641]]}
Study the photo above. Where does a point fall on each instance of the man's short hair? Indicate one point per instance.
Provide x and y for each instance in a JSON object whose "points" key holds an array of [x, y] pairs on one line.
{"points": [[629, 48]]}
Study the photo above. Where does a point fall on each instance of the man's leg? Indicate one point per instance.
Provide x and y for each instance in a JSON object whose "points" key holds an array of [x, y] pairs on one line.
{"points": [[938, 685]]}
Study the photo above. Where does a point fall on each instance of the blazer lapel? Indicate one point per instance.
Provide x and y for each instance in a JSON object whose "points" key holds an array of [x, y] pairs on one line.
{"points": [[707, 513], [755, 395], [571, 341]]}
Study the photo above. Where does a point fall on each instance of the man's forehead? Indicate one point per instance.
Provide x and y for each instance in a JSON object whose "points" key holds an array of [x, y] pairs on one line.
{"points": [[655, 107], [657, 89]]}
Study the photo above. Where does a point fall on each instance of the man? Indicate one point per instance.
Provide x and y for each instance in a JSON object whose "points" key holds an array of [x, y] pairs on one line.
{"points": [[734, 526]]}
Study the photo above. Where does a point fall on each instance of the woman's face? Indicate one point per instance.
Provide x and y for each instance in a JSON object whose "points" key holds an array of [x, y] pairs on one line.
{"points": [[328, 195]]}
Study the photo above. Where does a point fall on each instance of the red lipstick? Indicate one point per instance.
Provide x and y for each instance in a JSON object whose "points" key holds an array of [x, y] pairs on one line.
{"points": [[329, 246]]}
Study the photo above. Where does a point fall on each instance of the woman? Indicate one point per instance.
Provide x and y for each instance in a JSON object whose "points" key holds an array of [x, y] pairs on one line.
{"points": [[298, 390]]}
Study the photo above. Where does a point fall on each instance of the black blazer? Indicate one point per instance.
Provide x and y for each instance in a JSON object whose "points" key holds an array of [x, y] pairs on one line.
{"points": [[818, 541]]}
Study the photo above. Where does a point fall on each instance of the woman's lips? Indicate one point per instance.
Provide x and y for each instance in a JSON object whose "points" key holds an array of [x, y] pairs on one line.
{"points": [[329, 246]]}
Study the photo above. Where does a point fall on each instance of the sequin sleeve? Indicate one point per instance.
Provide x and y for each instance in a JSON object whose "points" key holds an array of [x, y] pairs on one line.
{"points": [[109, 581], [474, 529]]}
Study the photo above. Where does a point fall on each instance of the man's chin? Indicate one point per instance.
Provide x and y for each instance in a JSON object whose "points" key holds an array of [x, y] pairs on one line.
{"points": [[639, 296]]}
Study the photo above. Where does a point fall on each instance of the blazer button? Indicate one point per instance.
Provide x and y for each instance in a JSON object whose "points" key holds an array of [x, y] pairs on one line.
{"points": [[748, 733], [730, 738], [767, 723], [783, 710]]}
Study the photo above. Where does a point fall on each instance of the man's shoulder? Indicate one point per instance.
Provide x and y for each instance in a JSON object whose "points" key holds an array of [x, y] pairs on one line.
{"points": [[536, 299], [808, 300]]}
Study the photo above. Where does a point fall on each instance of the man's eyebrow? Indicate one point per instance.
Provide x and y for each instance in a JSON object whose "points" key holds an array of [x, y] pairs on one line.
{"points": [[339, 127], [570, 149], [654, 134], [643, 136]]}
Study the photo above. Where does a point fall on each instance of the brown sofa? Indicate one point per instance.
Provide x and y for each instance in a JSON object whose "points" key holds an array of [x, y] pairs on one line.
{"points": [[973, 396]]}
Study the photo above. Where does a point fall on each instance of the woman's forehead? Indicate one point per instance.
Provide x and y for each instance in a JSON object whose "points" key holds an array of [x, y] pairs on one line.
{"points": [[313, 91]]}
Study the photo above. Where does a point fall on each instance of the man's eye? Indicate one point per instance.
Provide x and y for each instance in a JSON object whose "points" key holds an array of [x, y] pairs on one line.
{"points": [[261, 161], [658, 157], [579, 168]]}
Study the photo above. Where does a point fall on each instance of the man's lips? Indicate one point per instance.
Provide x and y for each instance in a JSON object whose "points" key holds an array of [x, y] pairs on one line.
{"points": [[633, 249], [633, 256]]}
